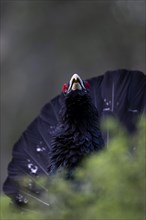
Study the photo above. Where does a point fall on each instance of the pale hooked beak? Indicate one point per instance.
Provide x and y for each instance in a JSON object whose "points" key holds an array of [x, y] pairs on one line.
{"points": [[76, 83]]}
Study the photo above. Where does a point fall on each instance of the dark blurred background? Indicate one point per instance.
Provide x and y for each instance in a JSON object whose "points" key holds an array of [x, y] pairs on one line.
{"points": [[44, 42]]}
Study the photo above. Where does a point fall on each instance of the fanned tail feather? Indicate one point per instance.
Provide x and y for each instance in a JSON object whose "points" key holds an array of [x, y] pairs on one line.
{"points": [[121, 94]]}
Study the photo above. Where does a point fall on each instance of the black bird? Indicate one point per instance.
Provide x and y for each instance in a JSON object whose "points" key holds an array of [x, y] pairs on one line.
{"points": [[77, 133], [64, 139]]}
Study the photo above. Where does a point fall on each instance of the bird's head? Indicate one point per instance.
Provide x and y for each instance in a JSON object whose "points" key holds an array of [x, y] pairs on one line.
{"points": [[76, 84], [77, 99]]}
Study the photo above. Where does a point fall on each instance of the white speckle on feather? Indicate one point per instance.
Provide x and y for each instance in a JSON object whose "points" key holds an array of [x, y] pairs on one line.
{"points": [[39, 149], [21, 198], [106, 109], [104, 100], [25, 201], [107, 103], [33, 168], [133, 110]]}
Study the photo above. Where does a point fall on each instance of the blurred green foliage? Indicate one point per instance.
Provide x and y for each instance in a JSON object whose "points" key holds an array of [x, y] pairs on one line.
{"points": [[109, 185]]}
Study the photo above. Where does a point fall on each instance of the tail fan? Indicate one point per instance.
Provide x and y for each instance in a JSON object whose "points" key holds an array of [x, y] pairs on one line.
{"points": [[120, 93]]}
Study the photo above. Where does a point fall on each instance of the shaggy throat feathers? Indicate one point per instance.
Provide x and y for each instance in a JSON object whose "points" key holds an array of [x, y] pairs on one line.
{"points": [[77, 134]]}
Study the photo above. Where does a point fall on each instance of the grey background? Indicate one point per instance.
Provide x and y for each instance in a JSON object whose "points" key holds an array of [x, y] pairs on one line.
{"points": [[44, 42]]}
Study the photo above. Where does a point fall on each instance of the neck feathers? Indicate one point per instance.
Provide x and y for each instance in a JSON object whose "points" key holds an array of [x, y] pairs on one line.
{"points": [[77, 134], [78, 111]]}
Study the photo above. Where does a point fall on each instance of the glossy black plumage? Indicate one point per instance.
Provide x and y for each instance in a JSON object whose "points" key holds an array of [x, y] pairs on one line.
{"points": [[120, 93], [77, 133]]}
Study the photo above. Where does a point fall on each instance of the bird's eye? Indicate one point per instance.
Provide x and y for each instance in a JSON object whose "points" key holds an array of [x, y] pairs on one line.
{"points": [[87, 85], [64, 88]]}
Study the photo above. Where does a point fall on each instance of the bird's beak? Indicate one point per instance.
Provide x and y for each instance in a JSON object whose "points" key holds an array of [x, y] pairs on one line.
{"points": [[76, 83]]}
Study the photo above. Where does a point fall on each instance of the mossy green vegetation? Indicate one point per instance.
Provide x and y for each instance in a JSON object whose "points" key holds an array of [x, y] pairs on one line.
{"points": [[109, 185]]}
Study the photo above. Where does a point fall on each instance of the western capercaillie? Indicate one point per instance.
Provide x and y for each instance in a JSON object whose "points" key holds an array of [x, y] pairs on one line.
{"points": [[78, 133], [67, 128]]}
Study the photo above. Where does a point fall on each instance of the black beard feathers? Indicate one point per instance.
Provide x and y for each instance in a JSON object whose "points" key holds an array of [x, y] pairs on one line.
{"points": [[77, 134]]}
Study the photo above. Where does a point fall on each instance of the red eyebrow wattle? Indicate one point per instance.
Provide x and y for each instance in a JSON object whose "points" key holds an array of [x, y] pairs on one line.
{"points": [[87, 85], [64, 87]]}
